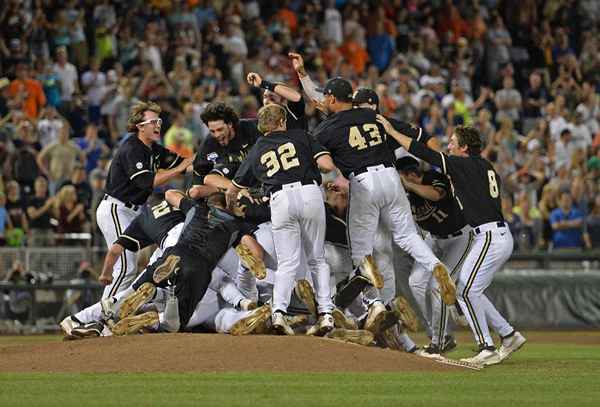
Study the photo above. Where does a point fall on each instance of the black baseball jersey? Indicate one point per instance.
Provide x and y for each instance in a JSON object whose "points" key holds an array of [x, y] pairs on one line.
{"points": [[210, 236], [355, 139], [414, 132], [225, 160], [336, 228], [440, 218], [281, 158], [473, 182], [151, 226], [131, 174], [296, 118]]}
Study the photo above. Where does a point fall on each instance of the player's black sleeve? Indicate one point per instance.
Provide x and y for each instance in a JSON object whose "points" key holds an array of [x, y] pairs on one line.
{"points": [[316, 148], [133, 237], [245, 228], [297, 108], [244, 177], [167, 159], [255, 212], [202, 165], [433, 157], [336, 228], [226, 170], [186, 204], [138, 168]]}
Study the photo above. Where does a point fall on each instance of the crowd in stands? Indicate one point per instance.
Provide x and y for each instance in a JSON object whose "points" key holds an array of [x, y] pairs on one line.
{"points": [[526, 73]]}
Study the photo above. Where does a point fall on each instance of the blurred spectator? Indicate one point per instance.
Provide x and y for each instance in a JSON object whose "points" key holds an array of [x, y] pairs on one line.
{"points": [[513, 220], [94, 81], [57, 160], [380, 46], [332, 26], [49, 126], [49, 80], [178, 138], [592, 226], [27, 91], [78, 180], [567, 224], [92, 147], [499, 41], [547, 204], [19, 303], [68, 79], [39, 212], [508, 101], [4, 219], [69, 212], [21, 164], [15, 207], [534, 99]]}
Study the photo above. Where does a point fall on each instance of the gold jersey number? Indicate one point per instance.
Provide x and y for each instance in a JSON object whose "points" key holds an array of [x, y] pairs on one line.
{"points": [[358, 139], [285, 158]]}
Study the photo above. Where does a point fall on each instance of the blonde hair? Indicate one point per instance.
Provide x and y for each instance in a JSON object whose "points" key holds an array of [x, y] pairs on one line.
{"points": [[136, 115], [270, 117], [62, 196]]}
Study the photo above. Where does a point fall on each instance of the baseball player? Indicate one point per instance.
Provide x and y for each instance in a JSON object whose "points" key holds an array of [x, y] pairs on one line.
{"points": [[476, 186], [283, 95], [436, 212], [159, 224], [230, 139], [358, 146], [132, 175], [284, 162]]}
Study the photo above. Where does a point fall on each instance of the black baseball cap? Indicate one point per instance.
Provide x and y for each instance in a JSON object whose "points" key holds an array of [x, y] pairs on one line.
{"points": [[365, 95], [340, 88], [407, 163]]}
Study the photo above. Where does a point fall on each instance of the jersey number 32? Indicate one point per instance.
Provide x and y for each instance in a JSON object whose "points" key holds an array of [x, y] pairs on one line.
{"points": [[285, 158], [357, 139]]}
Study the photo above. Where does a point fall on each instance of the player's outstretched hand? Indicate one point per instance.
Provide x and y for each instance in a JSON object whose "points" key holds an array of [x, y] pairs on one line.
{"points": [[385, 123], [297, 63], [254, 79], [105, 279]]}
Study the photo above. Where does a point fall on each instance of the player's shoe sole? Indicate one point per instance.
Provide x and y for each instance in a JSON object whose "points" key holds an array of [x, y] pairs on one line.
{"points": [[133, 324], [166, 269], [369, 269], [252, 322], [305, 292], [342, 321], [447, 286], [135, 300], [405, 313], [256, 266], [358, 336], [91, 330], [514, 343], [280, 325]]}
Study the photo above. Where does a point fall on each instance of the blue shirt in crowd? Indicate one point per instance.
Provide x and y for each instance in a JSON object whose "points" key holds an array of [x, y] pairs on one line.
{"points": [[567, 238]]}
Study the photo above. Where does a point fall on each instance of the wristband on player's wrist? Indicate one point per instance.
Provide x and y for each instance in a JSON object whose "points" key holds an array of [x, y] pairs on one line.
{"points": [[268, 85]]}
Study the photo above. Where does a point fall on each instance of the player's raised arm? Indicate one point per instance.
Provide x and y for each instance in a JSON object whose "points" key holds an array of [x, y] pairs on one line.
{"points": [[283, 90], [310, 88]]}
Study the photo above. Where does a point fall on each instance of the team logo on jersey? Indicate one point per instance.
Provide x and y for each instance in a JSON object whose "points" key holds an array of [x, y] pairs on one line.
{"points": [[212, 157], [225, 171], [139, 166]]}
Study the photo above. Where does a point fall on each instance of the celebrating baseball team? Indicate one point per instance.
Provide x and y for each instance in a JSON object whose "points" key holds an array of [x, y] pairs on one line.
{"points": [[291, 231]]}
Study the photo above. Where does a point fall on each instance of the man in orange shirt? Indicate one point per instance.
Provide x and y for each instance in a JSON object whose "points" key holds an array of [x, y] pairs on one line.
{"points": [[355, 54], [28, 91]]}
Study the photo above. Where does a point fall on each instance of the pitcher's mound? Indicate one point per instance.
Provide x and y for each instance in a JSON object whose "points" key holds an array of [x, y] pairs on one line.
{"points": [[209, 353]]}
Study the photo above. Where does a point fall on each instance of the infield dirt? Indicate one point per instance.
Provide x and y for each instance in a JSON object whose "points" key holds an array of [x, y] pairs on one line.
{"points": [[170, 353]]}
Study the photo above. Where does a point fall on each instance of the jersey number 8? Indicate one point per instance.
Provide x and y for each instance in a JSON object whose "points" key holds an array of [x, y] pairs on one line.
{"points": [[494, 190], [358, 141], [287, 159]]}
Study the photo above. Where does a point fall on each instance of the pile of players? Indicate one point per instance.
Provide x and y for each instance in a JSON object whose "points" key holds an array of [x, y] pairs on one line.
{"points": [[260, 244]]}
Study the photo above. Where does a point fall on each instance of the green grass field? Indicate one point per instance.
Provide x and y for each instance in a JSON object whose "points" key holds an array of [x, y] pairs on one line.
{"points": [[542, 374]]}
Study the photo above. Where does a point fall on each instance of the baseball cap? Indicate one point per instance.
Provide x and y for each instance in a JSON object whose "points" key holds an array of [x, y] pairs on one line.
{"points": [[338, 87], [365, 95], [407, 163]]}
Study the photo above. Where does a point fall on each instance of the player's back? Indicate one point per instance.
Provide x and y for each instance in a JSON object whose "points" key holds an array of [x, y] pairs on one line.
{"points": [[355, 140]]}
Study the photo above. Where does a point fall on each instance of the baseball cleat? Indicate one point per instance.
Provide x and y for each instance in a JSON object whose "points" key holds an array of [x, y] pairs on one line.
{"points": [[109, 308], [447, 286], [91, 330], [348, 290], [248, 325], [449, 344], [358, 336], [280, 325], [305, 292], [511, 344], [342, 320], [405, 313], [249, 261], [68, 324], [431, 351], [324, 325], [486, 357], [165, 270], [135, 300], [375, 316], [133, 324], [369, 269]]}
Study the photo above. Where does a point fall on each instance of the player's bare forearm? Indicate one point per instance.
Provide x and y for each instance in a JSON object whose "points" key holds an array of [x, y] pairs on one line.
{"points": [[201, 191], [217, 181], [428, 192], [254, 246], [403, 140], [163, 176], [231, 196], [174, 197], [325, 163], [287, 92]]}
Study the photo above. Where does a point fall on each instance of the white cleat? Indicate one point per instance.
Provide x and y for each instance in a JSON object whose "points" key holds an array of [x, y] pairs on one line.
{"points": [[280, 324], [486, 357], [511, 344], [109, 308], [68, 324]]}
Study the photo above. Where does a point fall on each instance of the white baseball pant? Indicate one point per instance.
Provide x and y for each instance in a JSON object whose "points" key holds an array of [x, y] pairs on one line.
{"points": [[298, 222], [378, 195], [113, 218], [491, 248]]}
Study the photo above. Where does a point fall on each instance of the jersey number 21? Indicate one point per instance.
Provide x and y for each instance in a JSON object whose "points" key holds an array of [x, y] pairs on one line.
{"points": [[285, 158]]}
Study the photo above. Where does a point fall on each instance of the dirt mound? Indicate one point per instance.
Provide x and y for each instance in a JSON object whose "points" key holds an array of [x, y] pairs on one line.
{"points": [[209, 353]]}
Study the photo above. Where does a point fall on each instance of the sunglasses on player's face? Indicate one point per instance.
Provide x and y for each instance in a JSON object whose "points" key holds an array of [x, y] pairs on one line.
{"points": [[154, 122]]}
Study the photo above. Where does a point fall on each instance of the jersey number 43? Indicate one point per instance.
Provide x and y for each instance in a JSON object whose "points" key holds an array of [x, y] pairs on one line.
{"points": [[358, 139], [285, 158]]}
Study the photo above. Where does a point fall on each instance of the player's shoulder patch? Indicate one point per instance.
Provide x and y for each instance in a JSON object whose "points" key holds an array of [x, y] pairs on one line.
{"points": [[212, 156], [139, 165]]}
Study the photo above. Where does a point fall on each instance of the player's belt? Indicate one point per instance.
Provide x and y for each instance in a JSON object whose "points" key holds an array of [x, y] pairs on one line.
{"points": [[450, 236], [488, 226], [374, 168], [119, 202], [291, 185]]}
